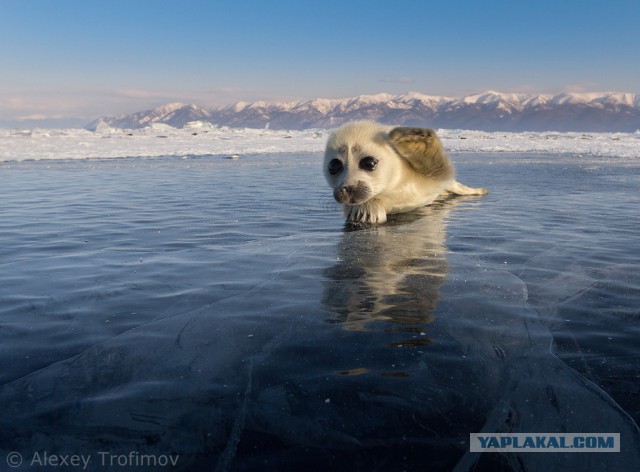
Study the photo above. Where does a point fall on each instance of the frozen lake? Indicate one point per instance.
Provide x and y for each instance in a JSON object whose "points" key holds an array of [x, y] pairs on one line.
{"points": [[217, 311]]}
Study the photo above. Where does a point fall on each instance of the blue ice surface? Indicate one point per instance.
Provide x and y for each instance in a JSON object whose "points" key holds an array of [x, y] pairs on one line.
{"points": [[221, 312]]}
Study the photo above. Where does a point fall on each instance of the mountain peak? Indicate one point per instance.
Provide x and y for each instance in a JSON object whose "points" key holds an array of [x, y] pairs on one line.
{"points": [[169, 107]]}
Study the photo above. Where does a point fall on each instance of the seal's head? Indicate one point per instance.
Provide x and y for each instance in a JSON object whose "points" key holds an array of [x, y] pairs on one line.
{"points": [[359, 162]]}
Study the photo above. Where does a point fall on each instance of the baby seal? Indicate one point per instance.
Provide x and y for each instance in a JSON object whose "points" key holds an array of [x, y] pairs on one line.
{"points": [[377, 170]]}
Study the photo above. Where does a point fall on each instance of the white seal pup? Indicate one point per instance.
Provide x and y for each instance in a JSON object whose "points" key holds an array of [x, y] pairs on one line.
{"points": [[377, 170]]}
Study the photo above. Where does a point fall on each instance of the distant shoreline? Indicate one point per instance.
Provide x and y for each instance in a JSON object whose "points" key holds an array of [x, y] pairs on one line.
{"points": [[205, 140]]}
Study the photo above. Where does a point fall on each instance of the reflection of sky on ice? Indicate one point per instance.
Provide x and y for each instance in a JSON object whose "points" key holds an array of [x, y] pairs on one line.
{"points": [[217, 309]]}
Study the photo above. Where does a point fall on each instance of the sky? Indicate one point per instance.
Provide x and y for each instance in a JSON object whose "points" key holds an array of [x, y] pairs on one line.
{"points": [[70, 61]]}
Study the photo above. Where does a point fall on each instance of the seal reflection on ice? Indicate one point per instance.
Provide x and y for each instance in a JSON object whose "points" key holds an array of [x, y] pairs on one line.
{"points": [[377, 170]]}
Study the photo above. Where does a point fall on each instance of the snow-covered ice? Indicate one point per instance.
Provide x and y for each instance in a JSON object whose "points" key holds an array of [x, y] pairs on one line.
{"points": [[202, 139], [155, 141]]}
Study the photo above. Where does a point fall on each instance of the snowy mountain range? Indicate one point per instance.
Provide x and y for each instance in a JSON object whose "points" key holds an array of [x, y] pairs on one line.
{"points": [[488, 111]]}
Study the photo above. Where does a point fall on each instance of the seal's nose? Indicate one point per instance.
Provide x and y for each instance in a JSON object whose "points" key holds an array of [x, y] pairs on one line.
{"points": [[343, 194], [352, 194]]}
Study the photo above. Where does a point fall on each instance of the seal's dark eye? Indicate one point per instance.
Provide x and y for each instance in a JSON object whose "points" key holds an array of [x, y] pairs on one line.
{"points": [[335, 166], [368, 163]]}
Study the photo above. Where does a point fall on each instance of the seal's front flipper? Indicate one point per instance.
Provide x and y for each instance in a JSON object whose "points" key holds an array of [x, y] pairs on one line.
{"points": [[422, 148]]}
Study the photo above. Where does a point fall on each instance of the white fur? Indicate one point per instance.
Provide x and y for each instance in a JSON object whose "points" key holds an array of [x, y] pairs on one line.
{"points": [[394, 186]]}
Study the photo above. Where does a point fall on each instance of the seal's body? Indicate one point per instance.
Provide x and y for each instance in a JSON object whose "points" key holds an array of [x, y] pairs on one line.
{"points": [[376, 170]]}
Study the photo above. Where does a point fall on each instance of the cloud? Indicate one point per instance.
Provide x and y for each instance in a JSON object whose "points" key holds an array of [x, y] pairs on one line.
{"points": [[581, 87], [234, 90], [136, 93], [397, 80], [41, 101], [39, 117], [13, 103]]}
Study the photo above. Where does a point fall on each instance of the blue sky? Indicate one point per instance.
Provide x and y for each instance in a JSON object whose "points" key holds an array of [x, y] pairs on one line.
{"points": [[78, 59]]}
